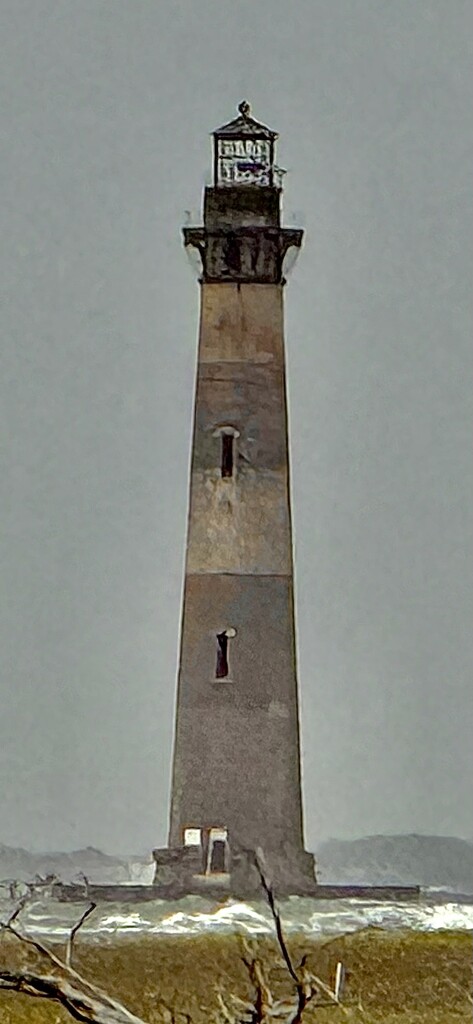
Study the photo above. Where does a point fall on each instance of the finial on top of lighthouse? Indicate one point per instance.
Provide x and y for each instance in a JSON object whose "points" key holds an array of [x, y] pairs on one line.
{"points": [[244, 108]]}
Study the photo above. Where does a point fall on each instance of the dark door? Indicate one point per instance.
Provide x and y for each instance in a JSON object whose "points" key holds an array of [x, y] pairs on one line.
{"points": [[217, 861]]}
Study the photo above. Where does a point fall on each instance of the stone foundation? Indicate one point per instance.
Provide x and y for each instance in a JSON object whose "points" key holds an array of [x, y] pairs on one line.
{"points": [[180, 871], [144, 893]]}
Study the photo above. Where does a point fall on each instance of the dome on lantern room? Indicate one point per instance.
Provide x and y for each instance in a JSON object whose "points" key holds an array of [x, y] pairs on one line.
{"points": [[244, 152], [244, 125]]}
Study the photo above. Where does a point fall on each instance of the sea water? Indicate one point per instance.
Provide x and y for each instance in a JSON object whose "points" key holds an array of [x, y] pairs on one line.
{"points": [[193, 915]]}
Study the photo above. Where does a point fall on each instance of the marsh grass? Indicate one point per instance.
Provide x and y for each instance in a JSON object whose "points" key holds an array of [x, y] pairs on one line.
{"points": [[398, 978]]}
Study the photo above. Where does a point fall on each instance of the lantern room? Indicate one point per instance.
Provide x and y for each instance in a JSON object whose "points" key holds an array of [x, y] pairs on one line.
{"points": [[244, 151]]}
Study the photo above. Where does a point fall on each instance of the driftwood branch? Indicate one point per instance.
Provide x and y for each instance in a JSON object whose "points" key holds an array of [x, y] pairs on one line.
{"points": [[73, 933], [276, 916], [15, 913], [308, 985], [84, 1001]]}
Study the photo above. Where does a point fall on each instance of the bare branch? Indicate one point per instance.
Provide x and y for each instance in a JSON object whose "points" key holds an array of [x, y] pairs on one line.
{"points": [[38, 946], [276, 917], [74, 930], [308, 985], [85, 880], [228, 1016], [16, 912], [74, 992], [82, 1005], [340, 977], [315, 980]]}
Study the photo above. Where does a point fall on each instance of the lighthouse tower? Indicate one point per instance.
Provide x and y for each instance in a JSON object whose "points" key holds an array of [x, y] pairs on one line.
{"points": [[236, 783]]}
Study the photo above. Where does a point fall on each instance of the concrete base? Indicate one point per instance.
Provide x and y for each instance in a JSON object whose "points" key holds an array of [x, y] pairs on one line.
{"points": [[180, 870], [146, 893]]}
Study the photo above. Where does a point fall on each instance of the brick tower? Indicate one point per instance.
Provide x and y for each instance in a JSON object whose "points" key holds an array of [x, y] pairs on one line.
{"points": [[236, 783]]}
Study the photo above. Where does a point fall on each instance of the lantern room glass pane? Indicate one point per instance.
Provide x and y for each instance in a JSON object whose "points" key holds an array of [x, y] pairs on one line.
{"points": [[243, 161]]}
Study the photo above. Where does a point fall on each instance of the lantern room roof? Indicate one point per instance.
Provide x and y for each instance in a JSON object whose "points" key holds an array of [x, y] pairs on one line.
{"points": [[245, 125]]}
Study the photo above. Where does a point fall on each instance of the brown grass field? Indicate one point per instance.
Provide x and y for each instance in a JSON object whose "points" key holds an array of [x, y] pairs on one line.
{"points": [[392, 977]]}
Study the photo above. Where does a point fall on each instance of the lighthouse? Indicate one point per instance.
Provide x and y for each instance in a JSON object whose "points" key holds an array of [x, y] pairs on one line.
{"points": [[236, 776]]}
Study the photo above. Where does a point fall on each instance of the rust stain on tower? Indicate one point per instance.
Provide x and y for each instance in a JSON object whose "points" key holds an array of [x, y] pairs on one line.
{"points": [[236, 785]]}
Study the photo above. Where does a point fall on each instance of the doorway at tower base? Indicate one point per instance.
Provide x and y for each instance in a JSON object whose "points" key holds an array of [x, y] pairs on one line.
{"points": [[187, 869]]}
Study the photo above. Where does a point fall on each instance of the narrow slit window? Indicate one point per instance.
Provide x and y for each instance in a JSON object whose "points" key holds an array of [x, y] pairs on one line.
{"points": [[227, 455], [221, 671]]}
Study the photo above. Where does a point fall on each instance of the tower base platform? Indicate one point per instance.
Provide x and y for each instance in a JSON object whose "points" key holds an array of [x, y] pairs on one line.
{"points": [[185, 869], [147, 893]]}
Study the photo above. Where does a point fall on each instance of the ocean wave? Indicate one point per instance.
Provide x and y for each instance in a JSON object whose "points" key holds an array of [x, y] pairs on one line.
{"points": [[196, 915]]}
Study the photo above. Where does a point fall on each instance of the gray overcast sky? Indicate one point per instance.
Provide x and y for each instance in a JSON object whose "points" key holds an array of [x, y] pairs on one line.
{"points": [[107, 105]]}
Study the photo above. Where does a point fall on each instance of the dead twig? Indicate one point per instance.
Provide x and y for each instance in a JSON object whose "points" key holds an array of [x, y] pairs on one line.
{"points": [[83, 1003], [276, 916], [73, 933], [308, 985], [83, 1000]]}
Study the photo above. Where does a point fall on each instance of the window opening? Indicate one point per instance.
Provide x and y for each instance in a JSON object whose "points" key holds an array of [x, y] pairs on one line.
{"points": [[222, 669], [192, 837], [227, 435], [222, 656], [231, 253], [227, 455]]}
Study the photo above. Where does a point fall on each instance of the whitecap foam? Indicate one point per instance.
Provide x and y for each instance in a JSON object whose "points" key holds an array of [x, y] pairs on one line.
{"points": [[196, 915]]}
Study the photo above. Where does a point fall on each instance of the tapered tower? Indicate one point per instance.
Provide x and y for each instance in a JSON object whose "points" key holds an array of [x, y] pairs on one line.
{"points": [[236, 783]]}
